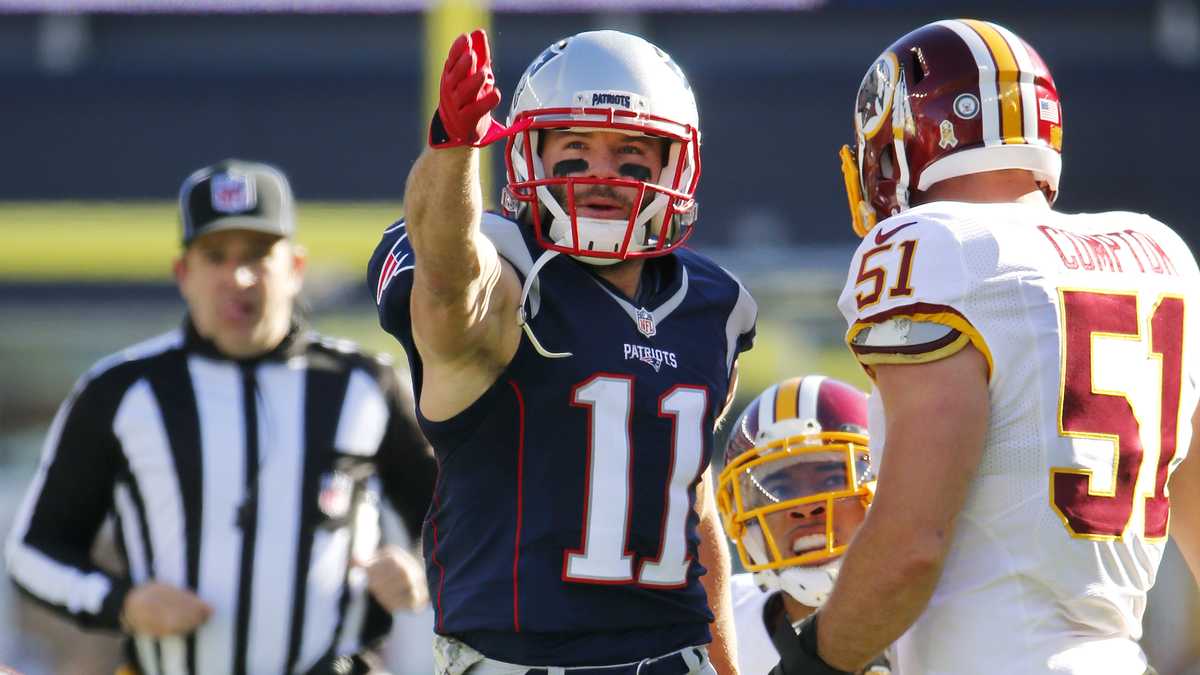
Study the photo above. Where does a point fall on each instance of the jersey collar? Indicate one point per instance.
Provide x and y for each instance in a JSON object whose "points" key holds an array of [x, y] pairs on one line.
{"points": [[293, 344]]}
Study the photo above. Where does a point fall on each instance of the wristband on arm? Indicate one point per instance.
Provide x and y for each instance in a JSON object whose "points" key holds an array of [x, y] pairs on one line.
{"points": [[440, 138], [797, 647]]}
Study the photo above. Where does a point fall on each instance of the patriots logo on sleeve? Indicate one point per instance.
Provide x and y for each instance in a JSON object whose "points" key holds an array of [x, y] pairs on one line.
{"points": [[393, 265]]}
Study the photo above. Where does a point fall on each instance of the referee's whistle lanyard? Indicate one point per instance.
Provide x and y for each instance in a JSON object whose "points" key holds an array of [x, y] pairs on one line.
{"points": [[254, 405]]}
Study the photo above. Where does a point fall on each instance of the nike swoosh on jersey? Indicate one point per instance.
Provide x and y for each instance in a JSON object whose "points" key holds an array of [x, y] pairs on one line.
{"points": [[881, 236]]}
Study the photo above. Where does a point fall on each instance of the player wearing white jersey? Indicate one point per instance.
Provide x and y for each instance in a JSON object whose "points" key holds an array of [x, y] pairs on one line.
{"points": [[1035, 388], [1080, 320]]}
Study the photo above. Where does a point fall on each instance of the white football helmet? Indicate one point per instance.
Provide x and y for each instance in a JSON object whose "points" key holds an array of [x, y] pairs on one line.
{"points": [[796, 483], [610, 81]]}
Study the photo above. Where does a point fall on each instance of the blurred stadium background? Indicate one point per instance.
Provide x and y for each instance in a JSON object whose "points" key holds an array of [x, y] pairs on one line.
{"points": [[108, 104]]}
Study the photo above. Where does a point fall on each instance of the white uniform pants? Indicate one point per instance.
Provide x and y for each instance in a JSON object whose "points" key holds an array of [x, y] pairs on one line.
{"points": [[452, 657]]}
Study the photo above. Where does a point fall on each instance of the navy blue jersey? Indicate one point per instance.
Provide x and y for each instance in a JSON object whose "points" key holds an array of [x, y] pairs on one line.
{"points": [[563, 530]]}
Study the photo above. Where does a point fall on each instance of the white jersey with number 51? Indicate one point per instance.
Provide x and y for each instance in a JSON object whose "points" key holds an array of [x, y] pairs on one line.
{"points": [[1082, 319]]}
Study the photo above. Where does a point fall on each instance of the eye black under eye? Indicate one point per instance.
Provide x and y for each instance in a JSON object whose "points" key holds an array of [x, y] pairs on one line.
{"points": [[569, 166], [634, 171]]}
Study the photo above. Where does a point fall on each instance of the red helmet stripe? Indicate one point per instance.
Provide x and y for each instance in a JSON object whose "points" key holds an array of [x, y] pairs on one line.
{"points": [[988, 96], [1007, 73]]}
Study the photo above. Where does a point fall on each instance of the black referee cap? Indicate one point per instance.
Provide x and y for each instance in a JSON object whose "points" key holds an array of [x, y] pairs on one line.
{"points": [[236, 195]]}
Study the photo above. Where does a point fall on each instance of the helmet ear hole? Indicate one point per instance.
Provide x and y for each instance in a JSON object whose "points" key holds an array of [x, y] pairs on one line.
{"points": [[887, 164], [918, 65]]}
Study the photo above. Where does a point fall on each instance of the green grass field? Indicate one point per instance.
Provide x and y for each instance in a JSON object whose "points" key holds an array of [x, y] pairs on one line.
{"points": [[136, 241]]}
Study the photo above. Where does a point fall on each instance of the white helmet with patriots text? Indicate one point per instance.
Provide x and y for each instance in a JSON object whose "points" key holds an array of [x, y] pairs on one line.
{"points": [[605, 81], [797, 482]]}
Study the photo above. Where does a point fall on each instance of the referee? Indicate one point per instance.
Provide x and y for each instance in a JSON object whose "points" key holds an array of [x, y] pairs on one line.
{"points": [[243, 457]]}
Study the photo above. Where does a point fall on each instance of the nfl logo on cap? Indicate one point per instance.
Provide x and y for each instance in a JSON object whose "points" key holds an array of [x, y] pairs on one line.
{"points": [[236, 195], [233, 192]]}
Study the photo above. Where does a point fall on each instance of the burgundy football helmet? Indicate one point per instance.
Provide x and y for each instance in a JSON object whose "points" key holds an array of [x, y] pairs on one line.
{"points": [[796, 483], [951, 98]]}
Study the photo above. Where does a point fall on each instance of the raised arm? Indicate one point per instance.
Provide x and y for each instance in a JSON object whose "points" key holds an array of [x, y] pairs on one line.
{"points": [[464, 297]]}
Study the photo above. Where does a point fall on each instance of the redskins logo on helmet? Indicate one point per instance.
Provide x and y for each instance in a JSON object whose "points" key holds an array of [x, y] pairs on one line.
{"points": [[605, 81], [875, 96], [949, 99], [796, 483]]}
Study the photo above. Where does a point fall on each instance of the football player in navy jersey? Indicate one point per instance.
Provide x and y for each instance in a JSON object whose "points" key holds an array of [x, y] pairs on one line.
{"points": [[571, 360]]}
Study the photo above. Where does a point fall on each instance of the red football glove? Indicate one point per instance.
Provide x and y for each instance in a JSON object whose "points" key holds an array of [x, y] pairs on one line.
{"points": [[467, 96]]}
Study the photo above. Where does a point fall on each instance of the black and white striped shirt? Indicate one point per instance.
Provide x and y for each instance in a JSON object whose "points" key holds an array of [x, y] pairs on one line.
{"points": [[250, 483]]}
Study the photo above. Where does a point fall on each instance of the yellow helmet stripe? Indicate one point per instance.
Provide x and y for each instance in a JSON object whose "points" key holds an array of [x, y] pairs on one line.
{"points": [[1007, 73], [1029, 102], [786, 399]]}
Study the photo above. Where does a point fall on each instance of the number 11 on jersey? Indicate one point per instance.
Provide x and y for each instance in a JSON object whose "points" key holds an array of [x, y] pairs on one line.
{"points": [[603, 556]]}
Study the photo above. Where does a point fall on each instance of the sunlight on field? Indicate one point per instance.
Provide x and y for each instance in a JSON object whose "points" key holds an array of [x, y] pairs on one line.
{"points": [[136, 241]]}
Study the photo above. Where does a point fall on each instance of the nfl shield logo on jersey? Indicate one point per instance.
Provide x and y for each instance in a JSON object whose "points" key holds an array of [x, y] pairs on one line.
{"points": [[233, 193], [645, 322]]}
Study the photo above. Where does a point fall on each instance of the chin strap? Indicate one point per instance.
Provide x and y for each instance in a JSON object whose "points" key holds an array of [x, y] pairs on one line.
{"points": [[522, 317], [808, 585]]}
